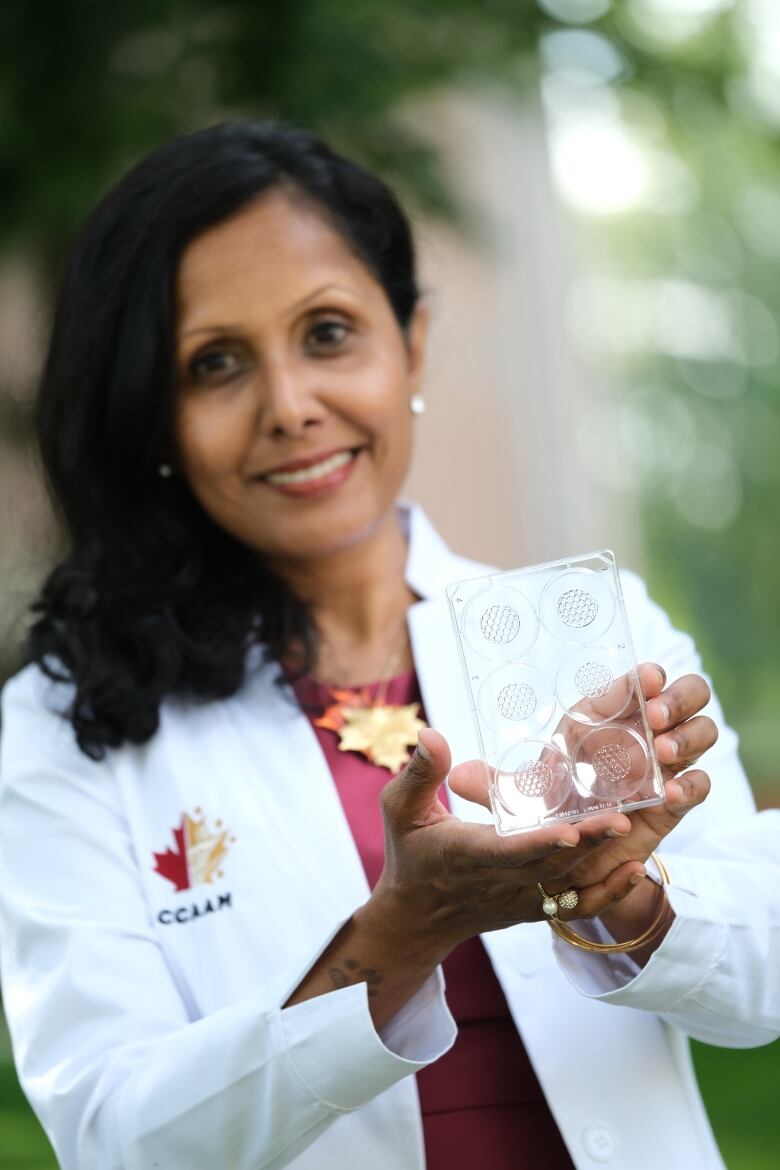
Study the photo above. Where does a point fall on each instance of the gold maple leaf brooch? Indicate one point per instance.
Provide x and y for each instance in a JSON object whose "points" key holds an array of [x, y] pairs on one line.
{"points": [[382, 732]]}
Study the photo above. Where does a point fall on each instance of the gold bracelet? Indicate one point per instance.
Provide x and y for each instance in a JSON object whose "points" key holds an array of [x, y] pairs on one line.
{"points": [[633, 944]]}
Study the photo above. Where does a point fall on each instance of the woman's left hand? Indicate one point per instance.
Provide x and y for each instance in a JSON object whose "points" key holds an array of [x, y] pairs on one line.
{"points": [[682, 735]]}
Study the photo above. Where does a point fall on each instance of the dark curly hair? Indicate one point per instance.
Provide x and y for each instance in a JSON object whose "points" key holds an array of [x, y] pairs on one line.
{"points": [[153, 598]]}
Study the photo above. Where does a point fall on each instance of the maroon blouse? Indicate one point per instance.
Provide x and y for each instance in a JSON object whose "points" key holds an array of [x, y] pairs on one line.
{"points": [[481, 1102]]}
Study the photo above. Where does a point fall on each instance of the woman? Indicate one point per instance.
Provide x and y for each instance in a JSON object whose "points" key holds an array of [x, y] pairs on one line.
{"points": [[211, 957]]}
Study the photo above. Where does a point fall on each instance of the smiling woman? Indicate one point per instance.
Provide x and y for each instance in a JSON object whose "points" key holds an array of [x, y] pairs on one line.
{"points": [[225, 921], [230, 339]]}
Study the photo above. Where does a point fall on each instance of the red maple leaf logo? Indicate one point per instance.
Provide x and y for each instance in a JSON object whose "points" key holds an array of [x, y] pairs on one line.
{"points": [[172, 864]]}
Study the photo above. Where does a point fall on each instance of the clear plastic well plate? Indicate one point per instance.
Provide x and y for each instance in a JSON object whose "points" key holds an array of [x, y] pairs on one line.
{"points": [[552, 679]]}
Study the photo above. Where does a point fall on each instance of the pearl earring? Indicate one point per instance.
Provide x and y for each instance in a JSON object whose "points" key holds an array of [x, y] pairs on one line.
{"points": [[417, 404], [165, 470]]}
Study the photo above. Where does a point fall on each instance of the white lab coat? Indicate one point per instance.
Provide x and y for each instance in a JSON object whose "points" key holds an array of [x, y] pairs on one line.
{"points": [[147, 1022]]}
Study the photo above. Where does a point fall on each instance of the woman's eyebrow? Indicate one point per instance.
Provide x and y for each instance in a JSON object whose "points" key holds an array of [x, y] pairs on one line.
{"points": [[293, 308], [209, 329], [329, 287]]}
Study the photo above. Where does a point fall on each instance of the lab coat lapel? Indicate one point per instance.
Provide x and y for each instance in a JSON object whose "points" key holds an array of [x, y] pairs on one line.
{"points": [[312, 808]]}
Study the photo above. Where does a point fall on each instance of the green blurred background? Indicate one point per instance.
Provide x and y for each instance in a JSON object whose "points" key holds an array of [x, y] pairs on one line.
{"points": [[661, 122]]}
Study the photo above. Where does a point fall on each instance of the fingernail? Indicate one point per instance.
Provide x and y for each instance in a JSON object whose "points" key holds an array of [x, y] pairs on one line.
{"points": [[664, 712], [662, 675], [565, 844], [635, 879], [422, 750], [674, 748], [617, 833]]}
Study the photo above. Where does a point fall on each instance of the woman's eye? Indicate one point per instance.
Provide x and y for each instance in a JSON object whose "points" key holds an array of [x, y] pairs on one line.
{"points": [[327, 335], [216, 365]]}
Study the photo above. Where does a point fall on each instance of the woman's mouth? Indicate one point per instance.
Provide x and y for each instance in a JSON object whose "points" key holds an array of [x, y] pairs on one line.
{"points": [[305, 481]]}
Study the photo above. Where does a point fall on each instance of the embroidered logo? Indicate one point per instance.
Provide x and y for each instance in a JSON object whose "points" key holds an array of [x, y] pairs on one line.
{"points": [[198, 853]]}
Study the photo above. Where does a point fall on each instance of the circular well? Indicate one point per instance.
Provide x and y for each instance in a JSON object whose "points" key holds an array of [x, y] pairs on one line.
{"points": [[532, 779], [577, 606], [611, 762], [516, 700], [594, 684], [500, 623]]}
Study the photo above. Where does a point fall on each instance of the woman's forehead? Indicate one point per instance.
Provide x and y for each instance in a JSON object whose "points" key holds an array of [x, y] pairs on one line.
{"points": [[279, 248]]}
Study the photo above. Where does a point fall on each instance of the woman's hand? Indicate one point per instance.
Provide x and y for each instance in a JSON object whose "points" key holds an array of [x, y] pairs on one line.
{"points": [[682, 735], [446, 880]]}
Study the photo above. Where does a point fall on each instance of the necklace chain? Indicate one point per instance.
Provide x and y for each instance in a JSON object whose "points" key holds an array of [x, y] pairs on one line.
{"points": [[388, 669]]}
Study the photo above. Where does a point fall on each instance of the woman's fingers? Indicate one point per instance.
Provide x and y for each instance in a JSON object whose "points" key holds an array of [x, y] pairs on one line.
{"points": [[682, 794], [571, 849], [652, 678], [550, 851], [595, 899], [683, 698], [470, 780], [680, 738], [480, 846], [594, 830], [681, 747], [613, 702], [410, 798], [685, 792]]}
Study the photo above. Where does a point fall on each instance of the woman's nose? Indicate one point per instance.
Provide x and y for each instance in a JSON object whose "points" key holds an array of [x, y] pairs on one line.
{"points": [[288, 402]]}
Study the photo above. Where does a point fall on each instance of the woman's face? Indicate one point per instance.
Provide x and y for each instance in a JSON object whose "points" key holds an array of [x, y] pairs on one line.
{"points": [[292, 418]]}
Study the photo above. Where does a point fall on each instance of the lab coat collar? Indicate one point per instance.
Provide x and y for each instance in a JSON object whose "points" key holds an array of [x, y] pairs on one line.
{"points": [[430, 565]]}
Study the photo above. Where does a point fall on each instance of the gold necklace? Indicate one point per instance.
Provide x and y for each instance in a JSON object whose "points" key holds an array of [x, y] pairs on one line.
{"points": [[382, 732]]}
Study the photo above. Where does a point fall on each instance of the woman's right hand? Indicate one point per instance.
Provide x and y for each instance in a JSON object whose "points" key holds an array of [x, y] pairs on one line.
{"points": [[446, 880]]}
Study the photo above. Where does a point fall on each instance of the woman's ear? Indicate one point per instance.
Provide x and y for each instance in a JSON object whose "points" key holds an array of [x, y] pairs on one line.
{"points": [[416, 344]]}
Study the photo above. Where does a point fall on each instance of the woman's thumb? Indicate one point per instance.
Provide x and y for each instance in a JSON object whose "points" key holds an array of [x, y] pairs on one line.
{"points": [[414, 789]]}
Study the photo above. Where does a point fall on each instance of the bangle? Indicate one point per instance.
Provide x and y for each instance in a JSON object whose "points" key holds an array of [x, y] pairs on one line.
{"points": [[633, 944]]}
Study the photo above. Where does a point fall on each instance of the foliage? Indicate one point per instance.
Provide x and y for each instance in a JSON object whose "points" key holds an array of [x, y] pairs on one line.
{"points": [[94, 86], [87, 87]]}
